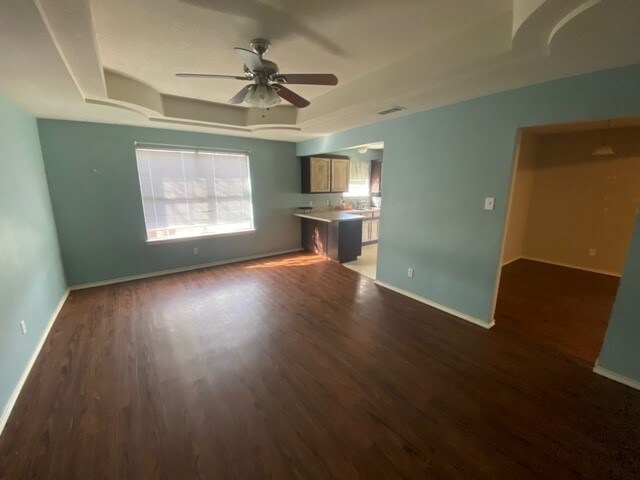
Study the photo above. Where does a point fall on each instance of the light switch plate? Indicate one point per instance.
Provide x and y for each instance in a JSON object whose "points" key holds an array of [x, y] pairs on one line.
{"points": [[489, 203]]}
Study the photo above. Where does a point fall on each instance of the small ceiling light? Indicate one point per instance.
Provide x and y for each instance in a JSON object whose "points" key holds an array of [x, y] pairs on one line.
{"points": [[364, 149], [605, 148], [262, 96]]}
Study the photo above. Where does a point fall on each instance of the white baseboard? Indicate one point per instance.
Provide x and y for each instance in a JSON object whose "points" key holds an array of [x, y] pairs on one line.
{"points": [[181, 269], [442, 308], [16, 391], [576, 267], [616, 377], [504, 264]]}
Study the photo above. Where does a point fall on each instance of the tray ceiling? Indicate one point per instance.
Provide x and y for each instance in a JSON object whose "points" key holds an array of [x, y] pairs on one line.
{"points": [[114, 60]]}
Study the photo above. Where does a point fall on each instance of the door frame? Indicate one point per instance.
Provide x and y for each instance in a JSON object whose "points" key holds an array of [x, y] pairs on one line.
{"points": [[514, 170]]}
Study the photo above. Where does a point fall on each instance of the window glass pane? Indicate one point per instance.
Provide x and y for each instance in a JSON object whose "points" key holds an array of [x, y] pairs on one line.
{"points": [[191, 192], [359, 178]]}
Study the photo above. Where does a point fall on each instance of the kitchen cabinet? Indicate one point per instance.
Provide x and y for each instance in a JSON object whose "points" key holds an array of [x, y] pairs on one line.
{"points": [[325, 174], [376, 176], [314, 236], [316, 175], [340, 175], [366, 231], [375, 230], [338, 240], [371, 227]]}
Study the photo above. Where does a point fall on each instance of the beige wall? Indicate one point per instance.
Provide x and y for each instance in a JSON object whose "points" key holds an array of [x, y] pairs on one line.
{"points": [[519, 207], [577, 201]]}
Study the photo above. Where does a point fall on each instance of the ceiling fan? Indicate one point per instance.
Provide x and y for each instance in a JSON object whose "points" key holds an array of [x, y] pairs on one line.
{"points": [[267, 88]]}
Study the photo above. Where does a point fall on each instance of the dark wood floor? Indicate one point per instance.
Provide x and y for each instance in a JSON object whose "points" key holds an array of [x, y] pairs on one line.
{"points": [[563, 308], [296, 367]]}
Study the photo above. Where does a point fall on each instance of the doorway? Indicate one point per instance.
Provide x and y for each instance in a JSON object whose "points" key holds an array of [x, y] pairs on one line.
{"points": [[574, 201], [365, 198]]}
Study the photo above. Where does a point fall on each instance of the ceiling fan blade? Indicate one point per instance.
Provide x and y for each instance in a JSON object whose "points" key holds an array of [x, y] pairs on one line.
{"points": [[238, 98], [210, 75], [291, 97], [250, 59], [307, 78]]}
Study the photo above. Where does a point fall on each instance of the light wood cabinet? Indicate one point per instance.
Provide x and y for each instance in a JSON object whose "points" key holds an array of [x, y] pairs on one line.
{"points": [[366, 231], [324, 175], [375, 230], [371, 227], [319, 175], [340, 175]]}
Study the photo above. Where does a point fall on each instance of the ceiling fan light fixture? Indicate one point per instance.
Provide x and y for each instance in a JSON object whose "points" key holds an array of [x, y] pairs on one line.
{"points": [[268, 89], [262, 96]]}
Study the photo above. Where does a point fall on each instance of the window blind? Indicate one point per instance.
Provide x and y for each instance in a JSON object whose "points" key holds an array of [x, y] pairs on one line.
{"points": [[187, 193], [359, 179]]}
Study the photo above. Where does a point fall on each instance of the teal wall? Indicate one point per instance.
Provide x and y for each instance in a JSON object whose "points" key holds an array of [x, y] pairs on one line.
{"points": [[31, 276], [93, 179], [439, 166], [621, 350]]}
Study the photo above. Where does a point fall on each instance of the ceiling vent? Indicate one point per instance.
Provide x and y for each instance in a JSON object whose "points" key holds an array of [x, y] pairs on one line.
{"points": [[391, 110]]}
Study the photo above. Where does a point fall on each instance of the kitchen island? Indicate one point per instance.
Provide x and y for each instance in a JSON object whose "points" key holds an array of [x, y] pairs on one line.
{"points": [[332, 233]]}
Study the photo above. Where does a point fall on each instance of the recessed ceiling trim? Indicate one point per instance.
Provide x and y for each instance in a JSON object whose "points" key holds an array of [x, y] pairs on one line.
{"points": [[115, 104], [70, 26], [504, 44], [198, 124], [570, 16]]}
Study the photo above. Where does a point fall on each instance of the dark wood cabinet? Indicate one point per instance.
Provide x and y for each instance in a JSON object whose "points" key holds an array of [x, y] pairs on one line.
{"points": [[314, 236], [325, 174], [340, 241], [376, 176]]}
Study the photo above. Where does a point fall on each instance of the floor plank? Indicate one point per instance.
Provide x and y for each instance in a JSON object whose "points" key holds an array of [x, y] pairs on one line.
{"points": [[563, 308], [296, 367]]}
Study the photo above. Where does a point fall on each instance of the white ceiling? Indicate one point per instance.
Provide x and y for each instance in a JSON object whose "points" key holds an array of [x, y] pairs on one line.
{"points": [[114, 60]]}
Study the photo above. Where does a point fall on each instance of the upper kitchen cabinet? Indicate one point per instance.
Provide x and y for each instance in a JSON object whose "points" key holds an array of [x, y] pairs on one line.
{"points": [[316, 175], [325, 175], [376, 176], [339, 175]]}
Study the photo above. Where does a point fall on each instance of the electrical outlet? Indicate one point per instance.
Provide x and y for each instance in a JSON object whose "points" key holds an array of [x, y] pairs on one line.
{"points": [[23, 326], [592, 252], [410, 272], [196, 251], [489, 203]]}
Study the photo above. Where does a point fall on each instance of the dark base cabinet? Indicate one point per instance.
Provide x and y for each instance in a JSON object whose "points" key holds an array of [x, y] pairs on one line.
{"points": [[340, 241]]}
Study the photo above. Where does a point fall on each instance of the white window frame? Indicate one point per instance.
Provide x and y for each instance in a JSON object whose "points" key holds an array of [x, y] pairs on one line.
{"points": [[194, 236]]}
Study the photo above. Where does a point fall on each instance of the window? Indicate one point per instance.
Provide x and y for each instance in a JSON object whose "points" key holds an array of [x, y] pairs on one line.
{"points": [[193, 192], [359, 178]]}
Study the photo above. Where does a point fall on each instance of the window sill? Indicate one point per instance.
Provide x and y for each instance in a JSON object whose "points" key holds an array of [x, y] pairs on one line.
{"points": [[157, 241]]}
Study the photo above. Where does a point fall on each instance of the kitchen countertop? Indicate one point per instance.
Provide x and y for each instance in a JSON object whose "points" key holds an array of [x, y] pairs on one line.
{"points": [[365, 210], [331, 215]]}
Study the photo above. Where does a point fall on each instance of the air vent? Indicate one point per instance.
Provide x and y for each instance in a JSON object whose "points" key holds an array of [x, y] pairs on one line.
{"points": [[391, 110]]}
